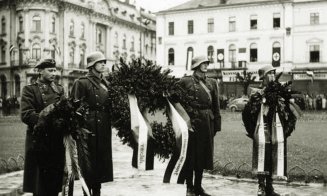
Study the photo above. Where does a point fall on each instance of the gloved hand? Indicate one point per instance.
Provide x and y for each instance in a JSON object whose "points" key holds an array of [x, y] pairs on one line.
{"points": [[46, 110]]}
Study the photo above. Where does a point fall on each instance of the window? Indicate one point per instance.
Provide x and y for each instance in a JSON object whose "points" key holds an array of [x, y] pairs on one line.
{"points": [[253, 53], [210, 54], [116, 39], [82, 57], [211, 23], [71, 56], [314, 18], [171, 28], [189, 57], [124, 42], [132, 44], [232, 55], [276, 20], [20, 24], [3, 54], [171, 56], [3, 25], [159, 40], [53, 25], [99, 36], [82, 30], [53, 52], [71, 28], [146, 48], [232, 24], [314, 53], [253, 22], [17, 86], [20, 54], [36, 51], [190, 27], [36, 24]]}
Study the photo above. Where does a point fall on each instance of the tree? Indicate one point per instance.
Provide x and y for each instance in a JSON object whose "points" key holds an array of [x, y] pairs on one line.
{"points": [[245, 80]]}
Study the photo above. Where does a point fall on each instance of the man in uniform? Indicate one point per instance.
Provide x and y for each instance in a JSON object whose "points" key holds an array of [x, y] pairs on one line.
{"points": [[93, 89], [44, 149], [205, 120]]}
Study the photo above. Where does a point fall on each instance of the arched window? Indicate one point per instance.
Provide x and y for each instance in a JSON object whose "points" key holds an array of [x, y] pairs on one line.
{"points": [[3, 25], [82, 30], [71, 28], [17, 85], [276, 54], [210, 54], [53, 24], [124, 42], [132, 44], [36, 51], [189, 56], [53, 52], [20, 24], [146, 48], [171, 56], [116, 39], [253, 52], [232, 55], [36, 23]]}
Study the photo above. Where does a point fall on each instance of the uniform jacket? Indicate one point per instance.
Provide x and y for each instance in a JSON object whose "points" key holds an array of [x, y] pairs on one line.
{"points": [[44, 153], [205, 119], [93, 90]]}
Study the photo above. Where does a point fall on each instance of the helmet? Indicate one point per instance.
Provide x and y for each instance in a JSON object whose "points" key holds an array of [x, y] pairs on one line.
{"points": [[264, 70], [196, 61], [94, 57]]}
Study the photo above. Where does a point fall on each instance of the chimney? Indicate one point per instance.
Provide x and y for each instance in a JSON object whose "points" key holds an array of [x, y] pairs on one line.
{"points": [[223, 1]]}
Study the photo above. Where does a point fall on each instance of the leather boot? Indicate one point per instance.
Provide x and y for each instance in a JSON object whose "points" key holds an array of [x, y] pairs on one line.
{"points": [[190, 190], [200, 192], [261, 188], [269, 187]]}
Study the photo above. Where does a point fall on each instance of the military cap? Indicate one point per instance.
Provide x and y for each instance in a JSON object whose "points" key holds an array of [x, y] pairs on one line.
{"points": [[46, 63]]}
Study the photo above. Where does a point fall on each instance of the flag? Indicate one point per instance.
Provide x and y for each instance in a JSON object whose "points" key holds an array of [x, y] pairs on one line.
{"points": [[310, 74]]}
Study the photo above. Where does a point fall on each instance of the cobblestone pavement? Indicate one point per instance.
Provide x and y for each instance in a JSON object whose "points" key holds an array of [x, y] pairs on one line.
{"points": [[131, 182]]}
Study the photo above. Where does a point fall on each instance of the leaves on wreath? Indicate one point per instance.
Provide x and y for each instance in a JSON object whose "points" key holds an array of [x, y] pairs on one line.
{"points": [[275, 95], [151, 86]]}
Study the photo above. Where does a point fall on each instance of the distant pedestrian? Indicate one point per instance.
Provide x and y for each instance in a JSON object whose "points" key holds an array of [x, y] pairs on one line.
{"points": [[44, 149]]}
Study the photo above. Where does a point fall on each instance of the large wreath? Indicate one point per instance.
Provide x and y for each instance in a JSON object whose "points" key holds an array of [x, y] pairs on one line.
{"points": [[152, 86], [277, 96]]}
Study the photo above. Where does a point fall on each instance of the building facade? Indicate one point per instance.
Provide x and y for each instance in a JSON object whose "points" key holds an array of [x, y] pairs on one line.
{"points": [[238, 35], [67, 30]]}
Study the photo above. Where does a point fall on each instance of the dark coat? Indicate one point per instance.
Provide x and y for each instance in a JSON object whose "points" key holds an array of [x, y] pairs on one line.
{"points": [[205, 120], [98, 123], [44, 153]]}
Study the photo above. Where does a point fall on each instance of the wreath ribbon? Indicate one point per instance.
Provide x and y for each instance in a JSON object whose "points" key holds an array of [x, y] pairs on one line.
{"points": [[261, 141], [141, 130], [181, 124], [278, 147]]}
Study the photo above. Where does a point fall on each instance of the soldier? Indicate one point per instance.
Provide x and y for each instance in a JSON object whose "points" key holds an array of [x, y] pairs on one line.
{"points": [[44, 149], [267, 75], [206, 122], [93, 88]]}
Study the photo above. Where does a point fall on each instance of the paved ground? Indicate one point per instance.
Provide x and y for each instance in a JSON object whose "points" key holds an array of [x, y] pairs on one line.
{"points": [[131, 182]]}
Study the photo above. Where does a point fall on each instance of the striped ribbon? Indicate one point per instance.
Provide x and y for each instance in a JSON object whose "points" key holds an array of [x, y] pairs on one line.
{"points": [[140, 130], [278, 148], [261, 142], [181, 124]]}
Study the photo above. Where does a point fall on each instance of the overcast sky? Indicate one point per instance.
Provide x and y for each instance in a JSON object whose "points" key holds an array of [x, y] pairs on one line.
{"points": [[158, 5]]}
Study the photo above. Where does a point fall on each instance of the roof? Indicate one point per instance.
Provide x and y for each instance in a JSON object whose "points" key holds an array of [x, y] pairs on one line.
{"points": [[198, 4]]}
